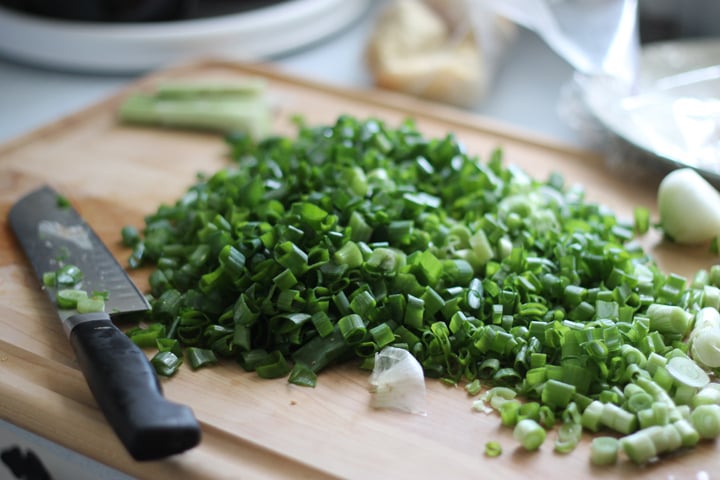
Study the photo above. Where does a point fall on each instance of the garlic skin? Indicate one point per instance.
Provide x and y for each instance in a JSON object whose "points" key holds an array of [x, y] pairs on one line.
{"points": [[397, 382]]}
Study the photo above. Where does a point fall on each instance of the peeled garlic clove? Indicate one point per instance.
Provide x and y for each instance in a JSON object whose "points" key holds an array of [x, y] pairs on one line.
{"points": [[689, 207], [397, 381]]}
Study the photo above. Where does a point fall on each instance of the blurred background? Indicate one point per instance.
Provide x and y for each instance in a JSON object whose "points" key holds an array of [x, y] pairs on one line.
{"points": [[479, 55], [59, 57]]}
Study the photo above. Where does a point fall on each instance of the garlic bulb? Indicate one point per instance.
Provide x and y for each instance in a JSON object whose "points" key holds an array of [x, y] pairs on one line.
{"points": [[397, 381]]}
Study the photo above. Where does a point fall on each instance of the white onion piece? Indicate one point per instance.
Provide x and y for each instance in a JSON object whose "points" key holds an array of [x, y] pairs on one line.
{"points": [[397, 381], [689, 207], [705, 338]]}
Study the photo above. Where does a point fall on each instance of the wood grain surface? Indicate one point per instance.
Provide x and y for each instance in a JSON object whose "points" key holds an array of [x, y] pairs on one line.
{"points": [[115, 174]]}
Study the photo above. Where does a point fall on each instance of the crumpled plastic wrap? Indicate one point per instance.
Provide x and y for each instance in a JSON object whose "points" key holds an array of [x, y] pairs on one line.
{"points": [[669, 116], [448, 50]]}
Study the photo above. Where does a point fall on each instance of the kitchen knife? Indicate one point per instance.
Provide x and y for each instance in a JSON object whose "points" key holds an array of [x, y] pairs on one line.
{"points": [[121, 378]]}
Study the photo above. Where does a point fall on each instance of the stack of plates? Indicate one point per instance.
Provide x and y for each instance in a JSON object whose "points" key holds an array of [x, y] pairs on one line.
{"points": [[252, 34]]}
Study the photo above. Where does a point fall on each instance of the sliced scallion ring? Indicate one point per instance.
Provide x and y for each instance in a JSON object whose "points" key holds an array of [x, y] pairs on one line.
{"points": [[686, 372]]}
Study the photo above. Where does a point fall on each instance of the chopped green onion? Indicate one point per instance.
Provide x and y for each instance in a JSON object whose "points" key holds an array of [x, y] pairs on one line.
{"points": [[704, 339], [356, 237], [706, 420], [509, 412], [668, 319], [557, 394], [493, 449], [687, 372], [642, 219], [130, 236], [49, 279], [352, 328], [689, 436], [68, 298], [474, 387], [302, 375], [90, 305], [604, 450], [529, 434], [706, 396], [166, 363], [200, 357], [274, 366], [618, 419], [639, 447], [68, 276], [568, 437]]}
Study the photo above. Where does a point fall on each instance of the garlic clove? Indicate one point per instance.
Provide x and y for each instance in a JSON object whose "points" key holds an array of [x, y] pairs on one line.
{"points": [[397, 381]]}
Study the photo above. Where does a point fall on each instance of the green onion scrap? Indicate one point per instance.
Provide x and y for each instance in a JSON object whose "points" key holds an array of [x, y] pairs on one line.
{"points": [[352, 237]]}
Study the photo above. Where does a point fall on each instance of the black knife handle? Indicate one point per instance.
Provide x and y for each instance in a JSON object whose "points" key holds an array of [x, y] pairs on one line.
{"points": [[128, 391]]}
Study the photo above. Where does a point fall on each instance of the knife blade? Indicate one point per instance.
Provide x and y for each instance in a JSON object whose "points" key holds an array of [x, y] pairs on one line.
{"points": [[120, 377]]}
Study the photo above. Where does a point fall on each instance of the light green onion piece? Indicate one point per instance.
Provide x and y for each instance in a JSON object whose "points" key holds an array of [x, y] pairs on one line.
{"points": [[68, 298], [668, 319], [665, 438], [509, 412], [493, 449], [706, 396], [592, 416], [49, 279], [604, 450], [639, 447], [704, 339], [90, 305], [496, 396], [68, 276], [557, 394], [706, 420], [529, 434], [641, 216], [618, 419], [474, 387], [166, 363], [686, 372], [639, 401], [274, 366], [568, 437], [689, 436]]}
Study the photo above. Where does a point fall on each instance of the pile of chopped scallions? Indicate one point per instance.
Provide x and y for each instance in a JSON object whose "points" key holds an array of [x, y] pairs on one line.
{"points": [[356, 236]]}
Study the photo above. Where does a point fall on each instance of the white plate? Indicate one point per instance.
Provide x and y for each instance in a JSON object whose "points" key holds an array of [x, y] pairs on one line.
{"points": [[674, 113], [137, 47]]}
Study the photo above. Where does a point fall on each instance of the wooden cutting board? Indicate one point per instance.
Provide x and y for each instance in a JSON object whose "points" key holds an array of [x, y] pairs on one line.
{"points": [[252, 428]]}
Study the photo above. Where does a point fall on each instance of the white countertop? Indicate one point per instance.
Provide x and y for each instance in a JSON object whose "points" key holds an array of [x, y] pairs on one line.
{"points": [[526, 94]]}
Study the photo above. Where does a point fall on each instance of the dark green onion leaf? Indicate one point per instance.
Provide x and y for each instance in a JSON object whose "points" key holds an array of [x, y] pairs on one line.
{"points": [[302, 375]]}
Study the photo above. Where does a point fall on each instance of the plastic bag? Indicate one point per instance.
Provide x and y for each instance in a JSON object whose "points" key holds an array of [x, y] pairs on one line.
{"points": [[449, 50]]}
